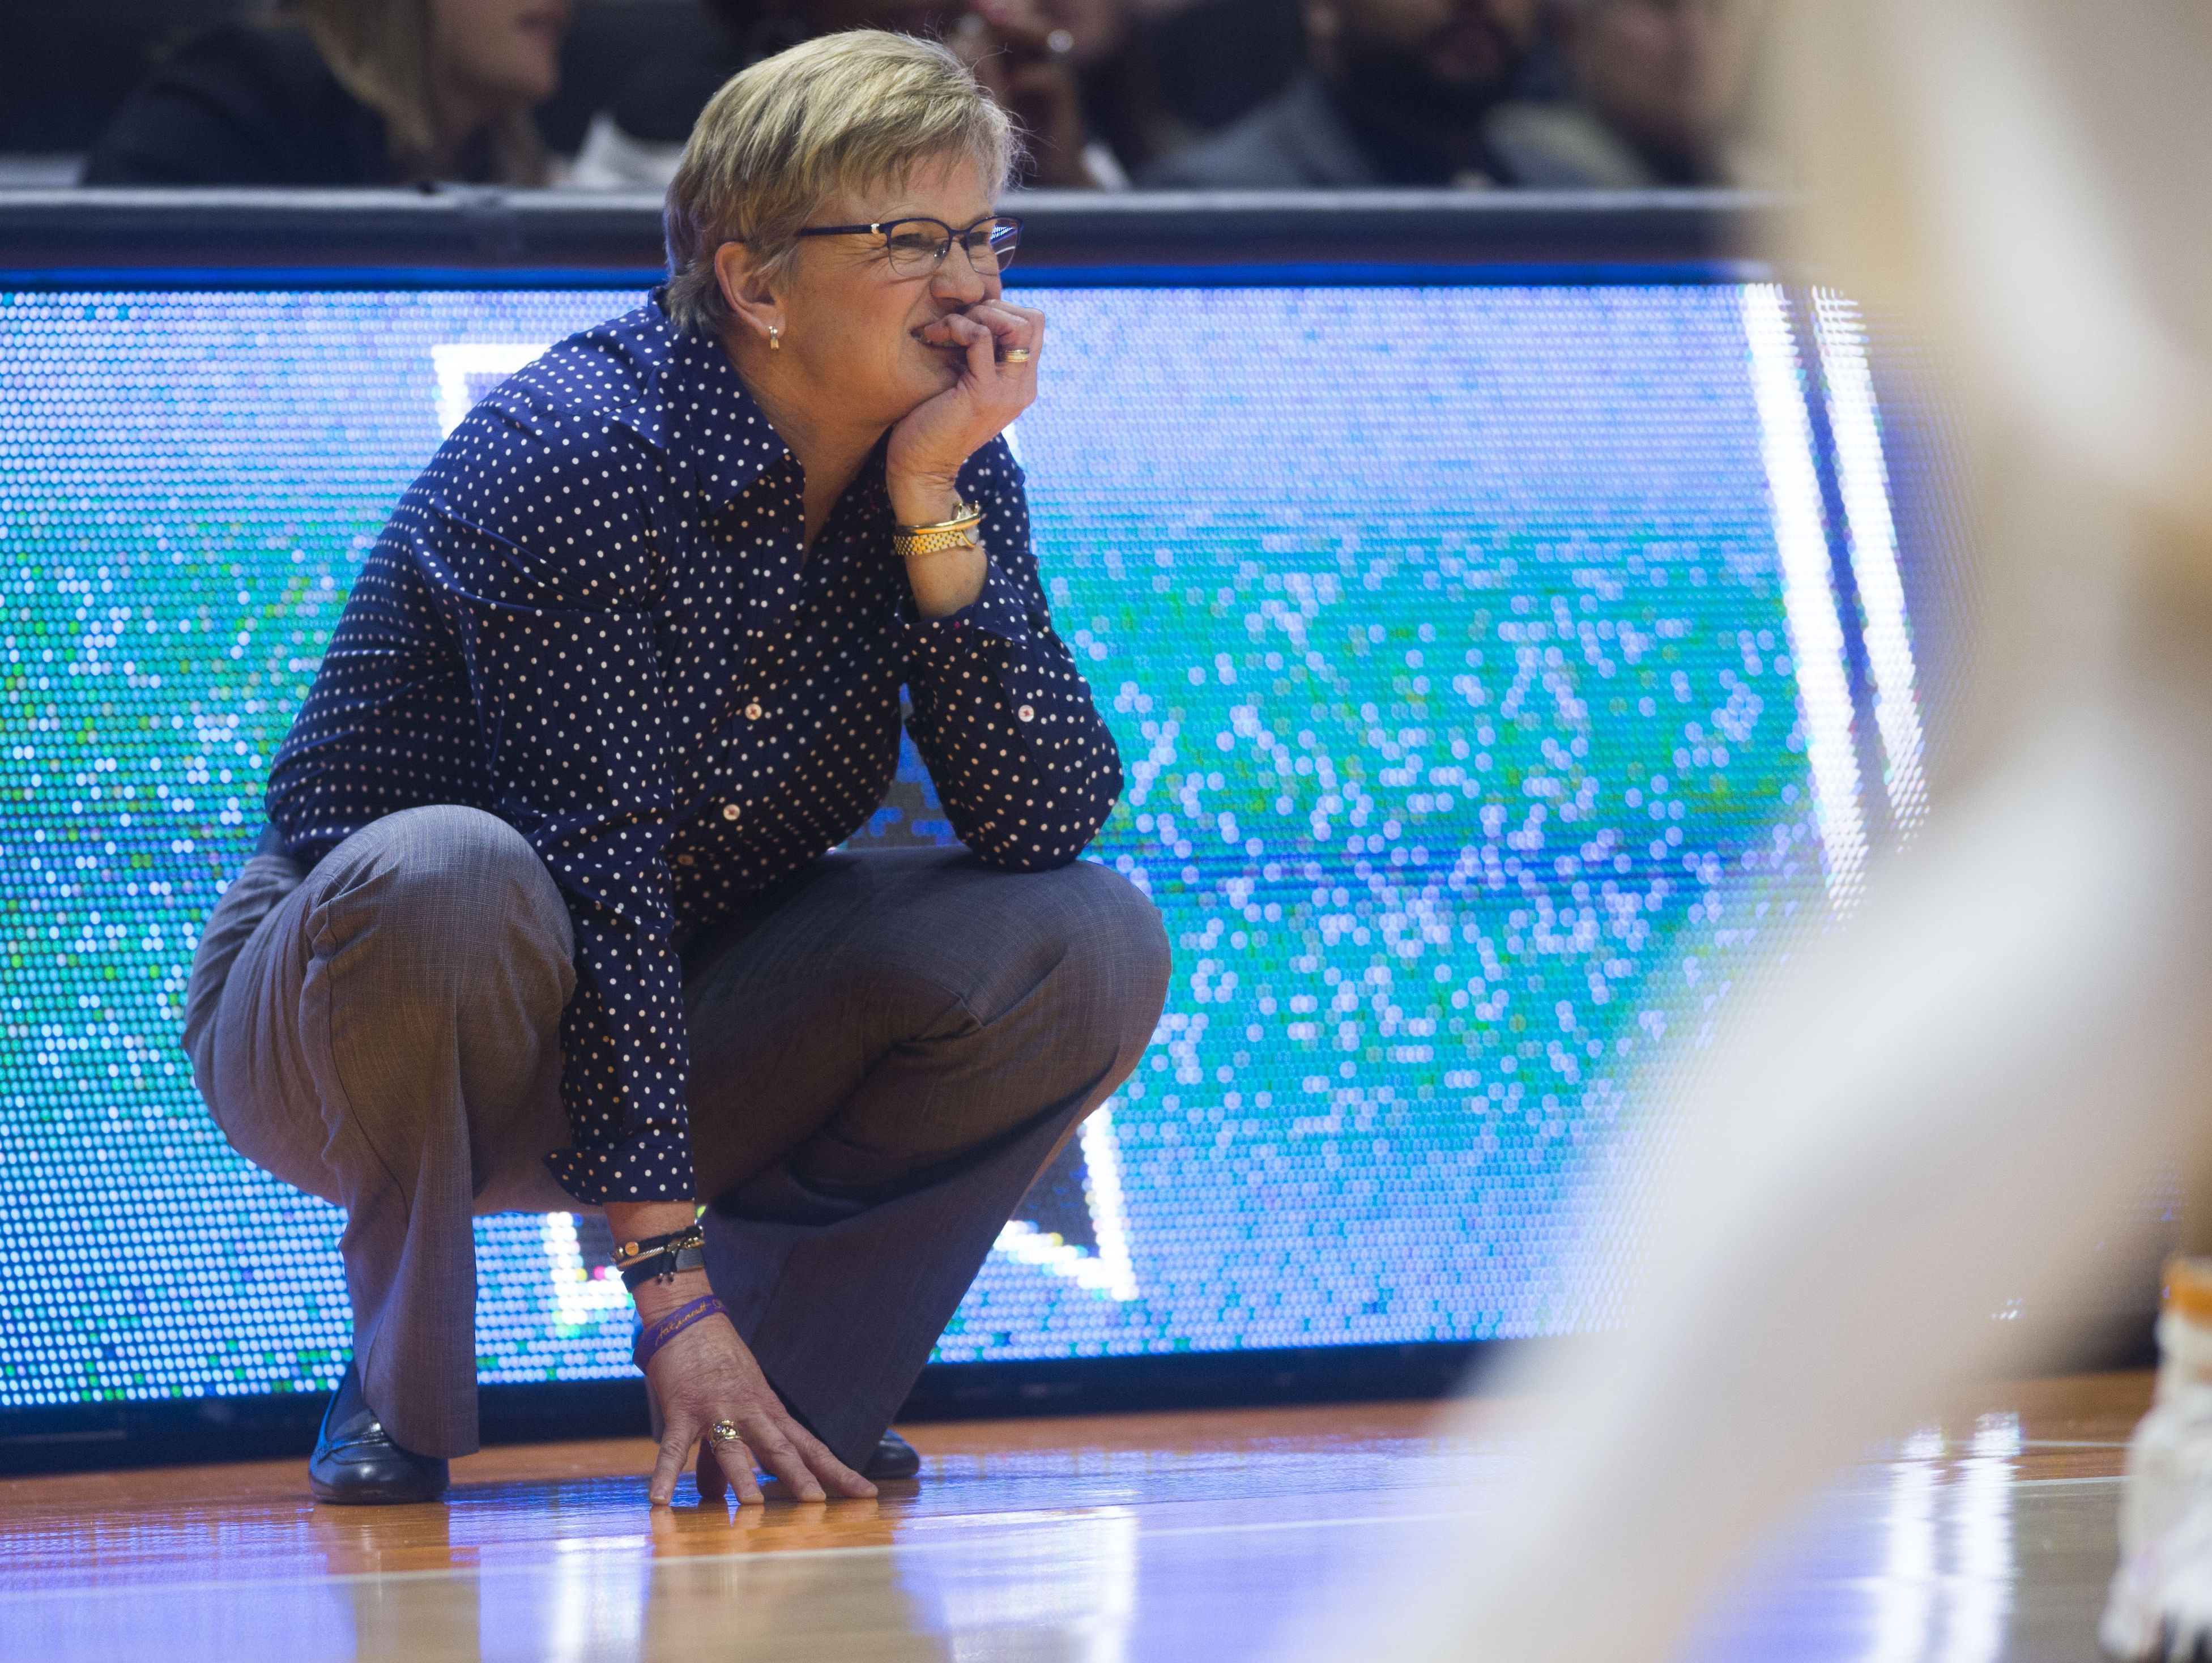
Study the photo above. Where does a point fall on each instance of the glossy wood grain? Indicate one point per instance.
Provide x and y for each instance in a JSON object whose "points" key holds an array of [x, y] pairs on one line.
{"points": [[1200, 1536]]}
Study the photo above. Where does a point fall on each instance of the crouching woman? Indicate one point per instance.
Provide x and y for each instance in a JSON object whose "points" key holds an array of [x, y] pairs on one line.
{"points": [[549, 914]]}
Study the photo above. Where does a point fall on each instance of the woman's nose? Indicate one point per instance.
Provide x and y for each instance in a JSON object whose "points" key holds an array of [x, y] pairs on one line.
{"points": [[958, 279]]}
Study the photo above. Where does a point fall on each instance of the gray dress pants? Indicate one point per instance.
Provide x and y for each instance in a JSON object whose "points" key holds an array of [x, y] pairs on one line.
{"points": [[885, 1051]]}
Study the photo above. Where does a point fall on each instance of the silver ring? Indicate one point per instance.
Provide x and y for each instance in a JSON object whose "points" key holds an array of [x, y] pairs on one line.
{"points": [[722, 1432], [1018, 354]]}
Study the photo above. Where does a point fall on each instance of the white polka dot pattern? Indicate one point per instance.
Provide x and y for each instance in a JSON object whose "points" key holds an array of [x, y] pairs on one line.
{"points": [[593, 616]]}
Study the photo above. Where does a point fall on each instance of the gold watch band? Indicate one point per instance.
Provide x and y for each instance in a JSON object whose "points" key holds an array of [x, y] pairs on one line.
{"points": [[958, 533]]}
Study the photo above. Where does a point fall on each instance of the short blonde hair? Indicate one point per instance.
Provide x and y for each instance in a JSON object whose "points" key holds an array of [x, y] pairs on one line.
{"points": [[840, 112]]}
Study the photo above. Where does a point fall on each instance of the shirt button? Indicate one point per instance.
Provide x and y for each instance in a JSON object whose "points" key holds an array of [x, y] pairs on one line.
{"points": [[753, 711], [729, 811], [1027, 713]]}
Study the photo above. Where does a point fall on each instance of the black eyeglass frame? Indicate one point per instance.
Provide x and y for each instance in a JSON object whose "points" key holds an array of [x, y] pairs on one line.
{"points": [[952, 235]]}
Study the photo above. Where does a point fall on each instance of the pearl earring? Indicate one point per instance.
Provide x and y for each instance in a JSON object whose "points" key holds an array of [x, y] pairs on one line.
{"points": [[775, 338]]}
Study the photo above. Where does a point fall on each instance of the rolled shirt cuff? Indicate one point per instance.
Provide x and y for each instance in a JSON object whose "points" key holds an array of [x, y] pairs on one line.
{"points": [[653, 1166], [1001, 612]]}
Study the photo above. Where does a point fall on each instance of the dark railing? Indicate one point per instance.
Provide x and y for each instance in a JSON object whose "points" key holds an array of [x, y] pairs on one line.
{"points": [[446, 234]]}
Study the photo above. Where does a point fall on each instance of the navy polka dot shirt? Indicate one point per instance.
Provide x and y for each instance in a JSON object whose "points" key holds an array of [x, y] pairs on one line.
{"points": [[593, 616]]}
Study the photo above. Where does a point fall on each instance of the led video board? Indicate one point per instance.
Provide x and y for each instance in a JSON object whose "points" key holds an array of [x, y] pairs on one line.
{"points": [[1499, 671]]}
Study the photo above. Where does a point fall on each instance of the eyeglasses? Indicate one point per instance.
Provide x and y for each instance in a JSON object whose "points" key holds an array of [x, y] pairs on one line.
{"points": [[917, 246]]}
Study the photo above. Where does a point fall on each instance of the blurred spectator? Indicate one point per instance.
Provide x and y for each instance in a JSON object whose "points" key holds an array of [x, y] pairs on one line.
{"points": [[346, 92], [1657, 87], [1212, 62], [1030, 53], [1400, 93], [1120, 120]]}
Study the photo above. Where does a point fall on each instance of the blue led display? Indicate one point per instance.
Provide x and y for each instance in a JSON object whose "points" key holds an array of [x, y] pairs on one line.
{"points": [[1497, 673]]}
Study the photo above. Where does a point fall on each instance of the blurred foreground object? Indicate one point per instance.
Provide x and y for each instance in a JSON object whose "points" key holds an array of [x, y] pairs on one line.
{"points": [[346, 92], [2010, 1037]]}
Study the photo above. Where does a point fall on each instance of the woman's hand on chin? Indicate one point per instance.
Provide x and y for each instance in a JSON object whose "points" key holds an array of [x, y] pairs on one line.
{"points": [[934, 441]]}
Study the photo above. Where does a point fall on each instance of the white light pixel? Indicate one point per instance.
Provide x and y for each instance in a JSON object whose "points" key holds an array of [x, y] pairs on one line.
{"points": [[1108, 1270], [468, 369], [1816, 630], [1102, 1187], [579, 1296], [1864, 478]]}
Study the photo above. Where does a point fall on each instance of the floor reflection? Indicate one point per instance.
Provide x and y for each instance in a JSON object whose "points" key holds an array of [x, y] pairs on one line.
{"points": [[1944, 1591], [1062, 1594], [595, 1607], [1913, 1559], [1980, 1584], [1151, 1540], [1903, 1592]]}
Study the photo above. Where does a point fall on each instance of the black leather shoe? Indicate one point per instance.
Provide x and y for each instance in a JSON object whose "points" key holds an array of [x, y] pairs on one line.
{"points": [[895, 1458], [355, 1462]]}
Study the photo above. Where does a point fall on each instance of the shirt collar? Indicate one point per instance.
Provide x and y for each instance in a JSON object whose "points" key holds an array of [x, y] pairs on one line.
{"points": [[694, 406]]}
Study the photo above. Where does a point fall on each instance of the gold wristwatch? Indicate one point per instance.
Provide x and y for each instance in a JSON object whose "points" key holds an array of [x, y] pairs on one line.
{"points": [[958, 533]]}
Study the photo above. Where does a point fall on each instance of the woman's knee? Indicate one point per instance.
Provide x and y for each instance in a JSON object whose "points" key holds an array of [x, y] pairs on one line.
{"points": [[445, 891], [1109, 941], [255, 892]]}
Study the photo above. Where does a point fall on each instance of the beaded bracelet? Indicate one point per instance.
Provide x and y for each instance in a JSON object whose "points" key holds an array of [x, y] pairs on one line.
{"points": [[657, 1333], [660, 1256], [663, 1266]]}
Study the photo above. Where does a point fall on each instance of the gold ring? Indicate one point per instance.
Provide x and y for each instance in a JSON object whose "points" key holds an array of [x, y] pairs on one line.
{"points": [[1018, 354], [723, 1432]]}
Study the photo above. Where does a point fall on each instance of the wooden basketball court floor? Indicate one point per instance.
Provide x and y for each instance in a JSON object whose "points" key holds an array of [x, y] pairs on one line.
{"points": [[1111, 1540]]}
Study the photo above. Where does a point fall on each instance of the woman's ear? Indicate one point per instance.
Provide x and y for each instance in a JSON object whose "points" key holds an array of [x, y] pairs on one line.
{"points": [[747, 292]]}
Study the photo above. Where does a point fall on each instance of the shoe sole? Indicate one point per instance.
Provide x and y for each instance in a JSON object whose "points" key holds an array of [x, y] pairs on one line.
{"points": [[377, 1496]]}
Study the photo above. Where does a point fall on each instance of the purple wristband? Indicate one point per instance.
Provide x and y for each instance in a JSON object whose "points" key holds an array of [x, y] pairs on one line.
{"points": [[657, 1333]]}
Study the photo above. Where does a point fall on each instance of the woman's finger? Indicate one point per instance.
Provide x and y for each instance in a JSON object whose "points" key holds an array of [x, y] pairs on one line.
{"points": [[943, 331], [982, 348], [1001, 319], [1007, 328], [1015, 330], [734, 1458], [776, 1454], [1010, 326], [675, 1449], [833, 1473], [977, 344], [712, 1484]]}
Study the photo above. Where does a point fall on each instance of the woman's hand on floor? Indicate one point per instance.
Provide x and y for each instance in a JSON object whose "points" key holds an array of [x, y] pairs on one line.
{"points": [[705, 1374]]}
